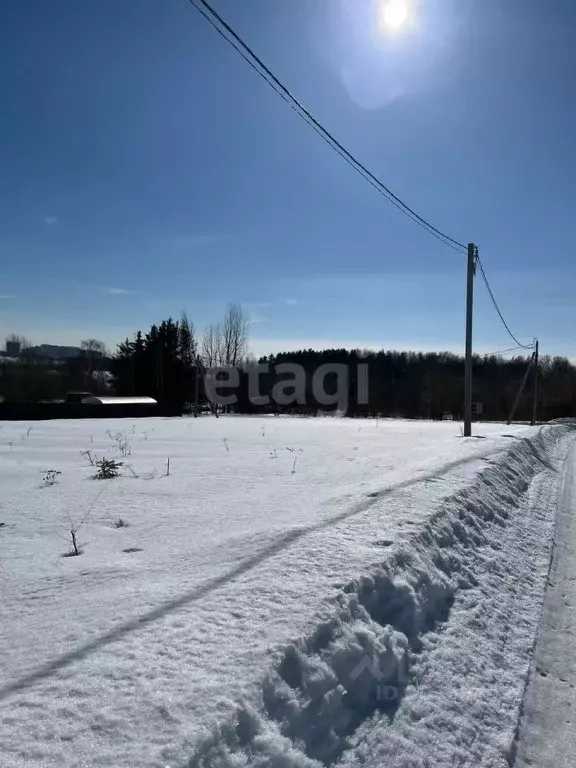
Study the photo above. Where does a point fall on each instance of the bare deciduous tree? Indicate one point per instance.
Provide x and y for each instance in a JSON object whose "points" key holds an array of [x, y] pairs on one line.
{"points": [[212, 346], [18, 338], [225, 345], [235, 335], [93, 351]]}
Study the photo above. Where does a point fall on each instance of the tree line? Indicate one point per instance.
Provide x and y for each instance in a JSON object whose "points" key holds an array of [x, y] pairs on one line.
{"points": [[170, 363], [430, 385]]}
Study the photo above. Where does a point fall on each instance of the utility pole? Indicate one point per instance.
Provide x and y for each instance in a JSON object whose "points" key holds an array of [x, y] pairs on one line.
{"points": [[521, 390], [535, 395], [196, 380], [471, 271]]}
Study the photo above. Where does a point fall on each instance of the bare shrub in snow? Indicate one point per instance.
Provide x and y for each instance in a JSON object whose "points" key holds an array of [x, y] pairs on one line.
{"points": [[49, 476], [122, 444], [120, 523], [76, 548], [89, 455], [125, 448], [144, 475]]}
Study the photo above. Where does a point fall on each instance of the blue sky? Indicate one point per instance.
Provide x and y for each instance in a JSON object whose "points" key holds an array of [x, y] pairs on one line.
{"points": [[145, 169]]}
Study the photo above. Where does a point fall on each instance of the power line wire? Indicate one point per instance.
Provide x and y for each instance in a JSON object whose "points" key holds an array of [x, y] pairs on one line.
{"points": [[497, 308], [505, 351], [254, 61], [269, 77]]}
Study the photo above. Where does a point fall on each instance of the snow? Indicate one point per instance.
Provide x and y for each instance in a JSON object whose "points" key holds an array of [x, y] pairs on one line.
{"points": [[547, 737], [295, 591]]}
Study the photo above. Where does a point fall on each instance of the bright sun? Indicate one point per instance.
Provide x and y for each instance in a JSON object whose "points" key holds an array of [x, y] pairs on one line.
{"points": [[395, 14]]}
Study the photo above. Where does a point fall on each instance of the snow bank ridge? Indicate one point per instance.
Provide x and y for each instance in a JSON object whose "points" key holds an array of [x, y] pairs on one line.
{"points": [[365, 656]]}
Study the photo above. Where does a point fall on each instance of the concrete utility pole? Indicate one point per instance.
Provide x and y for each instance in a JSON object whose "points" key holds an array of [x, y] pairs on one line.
{"points": [[535, 395], [472, 256], [196, 382], [521, 390]]}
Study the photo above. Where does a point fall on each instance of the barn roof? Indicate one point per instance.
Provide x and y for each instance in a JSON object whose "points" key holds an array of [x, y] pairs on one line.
{"points": [[95, 400]]}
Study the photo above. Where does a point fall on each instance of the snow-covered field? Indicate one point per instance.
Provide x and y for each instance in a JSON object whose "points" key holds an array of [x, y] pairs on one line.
{"points": [[296, 592]]}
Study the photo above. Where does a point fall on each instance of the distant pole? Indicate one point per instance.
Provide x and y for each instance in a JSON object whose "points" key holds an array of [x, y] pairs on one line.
{"points": [[535, 395], [521, 390], [196, 381], [471, 271]]}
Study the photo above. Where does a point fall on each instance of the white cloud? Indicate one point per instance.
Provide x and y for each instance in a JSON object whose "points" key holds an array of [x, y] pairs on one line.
{"points": [[290, 302], [119, 291], [49, 220], [7, 296]]}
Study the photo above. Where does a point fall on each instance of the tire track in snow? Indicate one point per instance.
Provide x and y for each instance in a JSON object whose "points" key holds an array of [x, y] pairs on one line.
{"points": [[278, 545], [545, 733], [313, 702]]}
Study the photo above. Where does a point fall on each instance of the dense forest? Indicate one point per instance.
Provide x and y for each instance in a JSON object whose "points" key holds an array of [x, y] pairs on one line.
{"points": [[431, 385]]}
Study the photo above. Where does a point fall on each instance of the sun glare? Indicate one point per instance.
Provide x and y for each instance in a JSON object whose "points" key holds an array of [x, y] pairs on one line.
{"points": [[394, 14]]}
